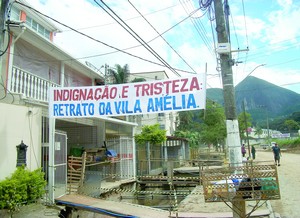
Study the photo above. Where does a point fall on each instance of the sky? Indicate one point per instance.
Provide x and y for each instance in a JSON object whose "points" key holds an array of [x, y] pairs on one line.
{"points": [[181, 37]]}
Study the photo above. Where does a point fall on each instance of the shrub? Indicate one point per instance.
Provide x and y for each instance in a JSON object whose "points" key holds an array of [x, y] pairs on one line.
{"points": [[21, 188]]}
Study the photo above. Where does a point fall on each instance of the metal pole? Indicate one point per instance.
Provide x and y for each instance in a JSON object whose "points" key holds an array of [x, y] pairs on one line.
{"points": [[51, 166], [246, 128], [268, 127]]}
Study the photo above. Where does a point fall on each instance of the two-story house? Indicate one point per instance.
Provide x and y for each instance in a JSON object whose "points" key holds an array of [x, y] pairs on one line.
{"points": [[31, 65]]}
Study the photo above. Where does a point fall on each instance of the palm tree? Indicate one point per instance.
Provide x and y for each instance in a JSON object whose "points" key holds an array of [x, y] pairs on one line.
{"points": [[120, 74]]}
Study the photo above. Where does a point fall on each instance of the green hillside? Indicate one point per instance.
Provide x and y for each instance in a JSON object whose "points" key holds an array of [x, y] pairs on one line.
{"points": [[261, 99]]}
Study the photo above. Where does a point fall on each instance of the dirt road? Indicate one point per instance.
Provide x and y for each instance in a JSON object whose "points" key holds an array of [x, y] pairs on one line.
{"points": [[289, 183]]}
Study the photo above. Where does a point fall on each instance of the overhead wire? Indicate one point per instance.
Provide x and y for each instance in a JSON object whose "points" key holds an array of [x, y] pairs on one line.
{"points": [[105, 44], [132, 18], [198, 26], [126, 27], [246, 35], [8, 9], [162, 37]]}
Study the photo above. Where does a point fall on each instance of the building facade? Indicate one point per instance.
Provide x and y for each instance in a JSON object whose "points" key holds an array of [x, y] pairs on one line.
{"points": [[31, 65]]}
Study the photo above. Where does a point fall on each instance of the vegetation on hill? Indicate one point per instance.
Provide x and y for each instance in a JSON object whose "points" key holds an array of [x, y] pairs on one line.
{"points": [[264, 101]]}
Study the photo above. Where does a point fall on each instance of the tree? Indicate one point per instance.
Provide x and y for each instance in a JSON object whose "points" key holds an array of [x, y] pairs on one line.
{"points": [[213, 128], [203, 126], [193, 137], [152, 134], [121, 74], [185, 120], [291, 125]]}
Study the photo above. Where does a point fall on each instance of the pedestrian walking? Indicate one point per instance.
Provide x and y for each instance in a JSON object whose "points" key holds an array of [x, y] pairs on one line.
{"points": [[277, 154], [243, 150], [253, 151]]}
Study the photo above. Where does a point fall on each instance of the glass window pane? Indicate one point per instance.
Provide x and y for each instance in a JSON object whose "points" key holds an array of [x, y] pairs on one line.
{"points": [[34, 25]]}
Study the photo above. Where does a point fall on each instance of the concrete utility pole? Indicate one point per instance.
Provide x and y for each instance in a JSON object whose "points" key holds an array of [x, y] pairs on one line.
{"points": [[233, 137]]}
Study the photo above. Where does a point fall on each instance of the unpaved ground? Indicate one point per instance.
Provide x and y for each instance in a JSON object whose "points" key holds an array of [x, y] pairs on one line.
{"points": [[288, 206], [289, 183]]}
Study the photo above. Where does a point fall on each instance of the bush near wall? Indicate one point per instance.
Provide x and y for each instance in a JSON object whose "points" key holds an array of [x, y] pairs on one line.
{"points": [[23, 187]]}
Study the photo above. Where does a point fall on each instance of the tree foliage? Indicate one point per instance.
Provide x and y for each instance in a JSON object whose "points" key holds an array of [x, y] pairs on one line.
{"points": [[214, 126], [291, 125], [152, 134], [120, 73], [192, 136], [203, 126]]}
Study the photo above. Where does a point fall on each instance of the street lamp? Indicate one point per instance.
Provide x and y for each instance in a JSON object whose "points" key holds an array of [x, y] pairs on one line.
{"points": [[252, 71], [255, 69]]}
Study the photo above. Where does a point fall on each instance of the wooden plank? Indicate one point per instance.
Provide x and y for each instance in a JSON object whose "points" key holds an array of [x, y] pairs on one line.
{"points": [[95, 204]]}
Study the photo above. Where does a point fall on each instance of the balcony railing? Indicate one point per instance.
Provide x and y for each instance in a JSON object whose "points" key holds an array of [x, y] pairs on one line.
{"points": [[29, 85]]}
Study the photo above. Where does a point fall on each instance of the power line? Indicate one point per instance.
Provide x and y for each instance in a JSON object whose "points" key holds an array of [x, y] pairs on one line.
{"points": [[125, 26], [161, 36], [85, 35], [132, 18], [199, 27]]}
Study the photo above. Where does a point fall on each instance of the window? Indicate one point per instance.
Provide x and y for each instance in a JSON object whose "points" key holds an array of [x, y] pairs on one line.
{"points": [[37, 27], [34, 25], [15, 14], [41, 30]]}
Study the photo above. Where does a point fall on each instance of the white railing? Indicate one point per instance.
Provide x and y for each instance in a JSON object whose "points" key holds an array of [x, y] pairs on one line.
{"points": [[29, 85]]}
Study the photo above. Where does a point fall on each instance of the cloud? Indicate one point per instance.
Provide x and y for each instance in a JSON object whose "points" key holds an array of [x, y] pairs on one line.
{"points": [[282, 24], [90, 19]]}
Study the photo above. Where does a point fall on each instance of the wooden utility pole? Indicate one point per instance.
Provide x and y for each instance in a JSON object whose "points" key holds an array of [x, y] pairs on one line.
{"points": [[233, 137]]}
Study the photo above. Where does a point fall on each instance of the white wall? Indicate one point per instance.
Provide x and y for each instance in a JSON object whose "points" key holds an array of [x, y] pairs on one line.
{"points": [[19, 123]]}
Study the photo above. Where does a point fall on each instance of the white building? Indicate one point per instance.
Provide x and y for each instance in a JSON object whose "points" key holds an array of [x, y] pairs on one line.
{"points": [[30, 66]]}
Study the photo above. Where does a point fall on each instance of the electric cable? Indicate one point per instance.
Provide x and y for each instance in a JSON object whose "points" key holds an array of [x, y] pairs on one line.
{"points": [[199, 28], [135, 56], [162, 37], [8, 29], [126, 27], [246, 31], [132, 18], [8, 42]]}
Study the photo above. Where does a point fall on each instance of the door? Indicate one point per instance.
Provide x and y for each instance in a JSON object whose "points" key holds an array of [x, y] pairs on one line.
{"points": [[60, 164]]}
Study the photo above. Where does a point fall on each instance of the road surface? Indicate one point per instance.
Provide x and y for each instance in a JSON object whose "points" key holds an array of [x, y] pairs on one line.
{"points": [[289, 183]]}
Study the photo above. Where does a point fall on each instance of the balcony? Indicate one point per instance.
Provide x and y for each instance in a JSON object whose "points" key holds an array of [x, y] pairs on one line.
{"points": [[29, 85]]}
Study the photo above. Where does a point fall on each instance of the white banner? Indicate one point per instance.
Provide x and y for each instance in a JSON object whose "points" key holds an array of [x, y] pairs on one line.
{"points": [[157, 96]]}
